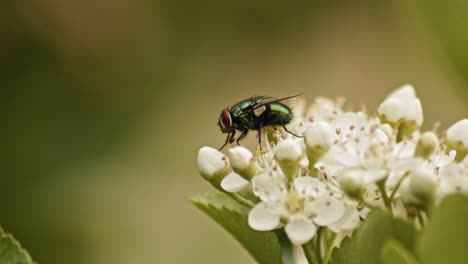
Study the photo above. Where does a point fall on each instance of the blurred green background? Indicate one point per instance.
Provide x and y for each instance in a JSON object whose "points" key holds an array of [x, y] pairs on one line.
{"points": [[104, 104]]}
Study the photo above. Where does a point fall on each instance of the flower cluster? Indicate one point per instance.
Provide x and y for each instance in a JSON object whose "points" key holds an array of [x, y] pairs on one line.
{"points": [[346, 164]]}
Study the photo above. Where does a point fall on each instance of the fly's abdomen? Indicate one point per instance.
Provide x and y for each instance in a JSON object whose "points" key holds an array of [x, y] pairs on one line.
{"points": [[276, 114]]}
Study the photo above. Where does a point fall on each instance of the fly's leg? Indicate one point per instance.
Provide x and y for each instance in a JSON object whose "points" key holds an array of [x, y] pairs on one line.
{"points": [[226, 141], [259, 135], [242, 135], [285, 129], [229, 138]]}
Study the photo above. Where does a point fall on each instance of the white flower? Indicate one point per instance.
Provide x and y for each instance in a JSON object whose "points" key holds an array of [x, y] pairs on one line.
{"points": [[303, 206], [453, 179], [211, 162], [402, 104], [458, 132]]}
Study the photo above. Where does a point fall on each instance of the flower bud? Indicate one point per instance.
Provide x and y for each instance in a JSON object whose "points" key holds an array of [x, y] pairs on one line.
{"points": [[457, 138], [406, 194], [351, 183], [242, 162], [318, 138], [403, 110], [427, 144], [288, 154], [213, 165], [423, 186]]}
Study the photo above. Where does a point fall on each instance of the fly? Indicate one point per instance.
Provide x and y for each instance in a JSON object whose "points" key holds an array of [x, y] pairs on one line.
{"points": [[254, 113]]}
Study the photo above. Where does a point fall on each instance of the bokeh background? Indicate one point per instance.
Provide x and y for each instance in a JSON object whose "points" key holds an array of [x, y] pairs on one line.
{"points": [[104, 104]]}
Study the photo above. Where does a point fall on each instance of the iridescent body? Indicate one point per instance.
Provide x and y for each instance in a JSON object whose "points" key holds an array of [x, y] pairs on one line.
{"points": [[254, 114]]}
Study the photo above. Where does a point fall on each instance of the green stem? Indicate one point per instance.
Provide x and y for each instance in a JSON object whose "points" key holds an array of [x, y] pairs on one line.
{"points": [[318, 245], [397, 186], [329, 250], [420, 219], [242, 200], [309, 252], [383, 192]]}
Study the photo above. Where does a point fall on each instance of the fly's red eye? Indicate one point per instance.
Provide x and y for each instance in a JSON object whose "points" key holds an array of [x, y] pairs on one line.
{"points": [[226, 120]]}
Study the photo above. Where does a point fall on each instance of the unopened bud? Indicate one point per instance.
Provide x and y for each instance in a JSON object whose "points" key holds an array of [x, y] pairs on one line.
{"points": [[318, 138], [288, 154], [213, 165], [242, 162], [457, 138], [406, 195], [352, 183], [427, 144], [423, 186], [403, 111]]}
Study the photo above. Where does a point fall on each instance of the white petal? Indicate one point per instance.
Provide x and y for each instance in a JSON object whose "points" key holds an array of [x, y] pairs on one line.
{"points": [[300, 231], [444, 160], [349, 121], [233, 182], [404, 149], [261, 219], [327, 210], [210, 161], [308, 186], [268, 187], [337, 159], [373, 175], [239, 157], [349, 221]]}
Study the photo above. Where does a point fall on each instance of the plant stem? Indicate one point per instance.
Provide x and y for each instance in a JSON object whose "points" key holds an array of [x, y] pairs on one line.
{"points": [[309, 252], [420, 219], [329, 250], [383, 192], [242, 200], [397, 186], [318, 245]]}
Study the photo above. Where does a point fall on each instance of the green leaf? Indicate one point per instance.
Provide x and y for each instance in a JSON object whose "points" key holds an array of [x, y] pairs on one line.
{"points": [[263, 246], [445, 238], [366, 243], [11, 251], [394, 252]]}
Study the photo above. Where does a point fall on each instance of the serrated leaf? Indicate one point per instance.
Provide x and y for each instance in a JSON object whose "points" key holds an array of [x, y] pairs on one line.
{"points": [[366, 243], [444, 240], [394, 252], [263, 246], [11, 251]]}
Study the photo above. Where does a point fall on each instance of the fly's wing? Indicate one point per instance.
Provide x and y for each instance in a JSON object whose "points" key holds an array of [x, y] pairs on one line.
{"points": [[259, 108], [256, 105], [248, 106]]}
